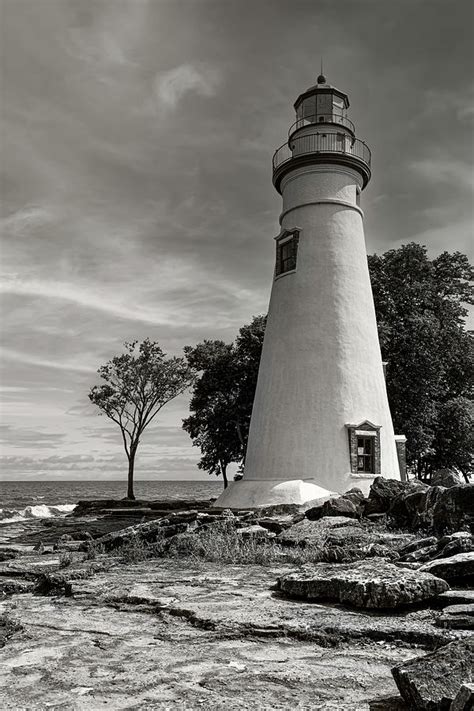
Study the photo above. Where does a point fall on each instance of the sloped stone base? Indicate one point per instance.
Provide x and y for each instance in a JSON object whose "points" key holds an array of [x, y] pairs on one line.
{"points": [[254, 493]]}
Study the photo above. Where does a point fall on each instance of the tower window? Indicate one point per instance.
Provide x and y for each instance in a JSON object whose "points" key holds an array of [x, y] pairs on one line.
{"points": [[364, 448], [365, 454], [286, 252]]}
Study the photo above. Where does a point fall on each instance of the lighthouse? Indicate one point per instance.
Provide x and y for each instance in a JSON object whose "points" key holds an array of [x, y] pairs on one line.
{"points": [[321, 421]]}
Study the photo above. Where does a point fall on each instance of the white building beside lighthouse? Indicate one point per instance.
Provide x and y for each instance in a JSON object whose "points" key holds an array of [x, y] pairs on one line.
{"points": [[321, 421]]}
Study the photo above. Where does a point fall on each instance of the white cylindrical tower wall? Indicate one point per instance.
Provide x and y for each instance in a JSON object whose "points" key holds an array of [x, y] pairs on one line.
{"points": [[321, 366]]}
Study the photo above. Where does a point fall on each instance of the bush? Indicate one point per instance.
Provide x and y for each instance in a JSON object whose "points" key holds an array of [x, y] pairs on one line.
{"points": [[8, 627], [136, 549], [93, 550], [65, 559]]}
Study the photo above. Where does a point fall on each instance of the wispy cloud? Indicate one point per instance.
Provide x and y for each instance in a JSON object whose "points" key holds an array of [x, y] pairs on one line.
{"points": [[444, 170], [24, 437], [26, 218], [172, 85], [28, 359], [81, 296]]}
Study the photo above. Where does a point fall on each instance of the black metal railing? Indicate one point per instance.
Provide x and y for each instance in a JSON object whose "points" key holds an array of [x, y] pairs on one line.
{"points": [[321, 118], [321, 142]]}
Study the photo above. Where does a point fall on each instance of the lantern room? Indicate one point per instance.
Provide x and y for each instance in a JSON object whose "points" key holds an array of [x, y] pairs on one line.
{"points": [[322, 103]]}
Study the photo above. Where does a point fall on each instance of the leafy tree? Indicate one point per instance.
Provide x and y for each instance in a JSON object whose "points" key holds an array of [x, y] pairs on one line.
{"points": [[222, 398], [454, 439], [138, 384], [421, 309]]}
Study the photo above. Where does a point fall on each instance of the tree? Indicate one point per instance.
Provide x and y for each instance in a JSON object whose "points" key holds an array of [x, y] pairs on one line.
{"points": [[454, 439], [138, 384], [222, 398], [421, 309]]}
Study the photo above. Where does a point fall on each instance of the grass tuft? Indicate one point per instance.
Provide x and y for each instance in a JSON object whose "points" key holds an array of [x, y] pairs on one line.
{"points": [[65, 559], [222, 542], [93, 550]]}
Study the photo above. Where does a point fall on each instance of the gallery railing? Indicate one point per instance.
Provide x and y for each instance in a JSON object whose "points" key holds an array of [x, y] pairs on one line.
{"points": [[321, 142], [321, 118]]}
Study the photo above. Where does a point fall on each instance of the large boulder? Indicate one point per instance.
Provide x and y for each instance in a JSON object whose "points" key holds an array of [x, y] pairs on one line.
{"points": [[255, 532], [431, 682], [445, 477], [276, 524], [334, 507], [150, 532], [413, 547], [413, 508], [456, 569], [458, 545], [454, 510], [279, 510], [382, 493], [431, 508], [355, 495], [367, 584], [314, 533]]}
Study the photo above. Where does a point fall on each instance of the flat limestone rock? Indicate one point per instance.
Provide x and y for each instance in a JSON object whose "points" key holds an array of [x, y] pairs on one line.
{"points": [[142, 594], [455, 597], [368, 584], [150, 532], [14, 586], [314, 532], [457, 617], [431, 683], [459, 568]]}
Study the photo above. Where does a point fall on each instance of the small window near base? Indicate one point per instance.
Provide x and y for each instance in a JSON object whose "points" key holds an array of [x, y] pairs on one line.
{"points": [[364, 448]]}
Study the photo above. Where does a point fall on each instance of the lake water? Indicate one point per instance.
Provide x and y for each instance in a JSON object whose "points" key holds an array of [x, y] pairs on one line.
{"points": [[45, 499]]}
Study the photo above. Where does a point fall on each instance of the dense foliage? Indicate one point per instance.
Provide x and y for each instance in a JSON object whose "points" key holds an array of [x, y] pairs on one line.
{"points": [[222, 398], [137, 385], [421, 310]]}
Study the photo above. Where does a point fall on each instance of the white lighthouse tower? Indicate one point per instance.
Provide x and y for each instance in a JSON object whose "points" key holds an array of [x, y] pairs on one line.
{"points": [[321, 421]]}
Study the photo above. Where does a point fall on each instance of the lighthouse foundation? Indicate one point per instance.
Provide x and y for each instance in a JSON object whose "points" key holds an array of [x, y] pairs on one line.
{"points": [[248, 493]]}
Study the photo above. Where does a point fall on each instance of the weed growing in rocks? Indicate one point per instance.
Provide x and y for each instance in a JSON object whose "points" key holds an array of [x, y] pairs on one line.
{"points": [[93, 550], [65, 559], [8, 626], [223, 543], [136, 550]]}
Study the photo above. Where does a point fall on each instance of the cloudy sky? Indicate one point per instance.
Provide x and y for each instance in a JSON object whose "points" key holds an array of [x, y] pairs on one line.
{"points": [[137, 201]]}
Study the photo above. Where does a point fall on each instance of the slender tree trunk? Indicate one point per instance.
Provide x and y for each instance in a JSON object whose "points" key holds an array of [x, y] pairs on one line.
{"points": [[131, 466], [242, 443], [224, 474]]}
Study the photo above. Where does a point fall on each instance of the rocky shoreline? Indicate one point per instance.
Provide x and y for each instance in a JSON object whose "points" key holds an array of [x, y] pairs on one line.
{"points": [[144, 605]]}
